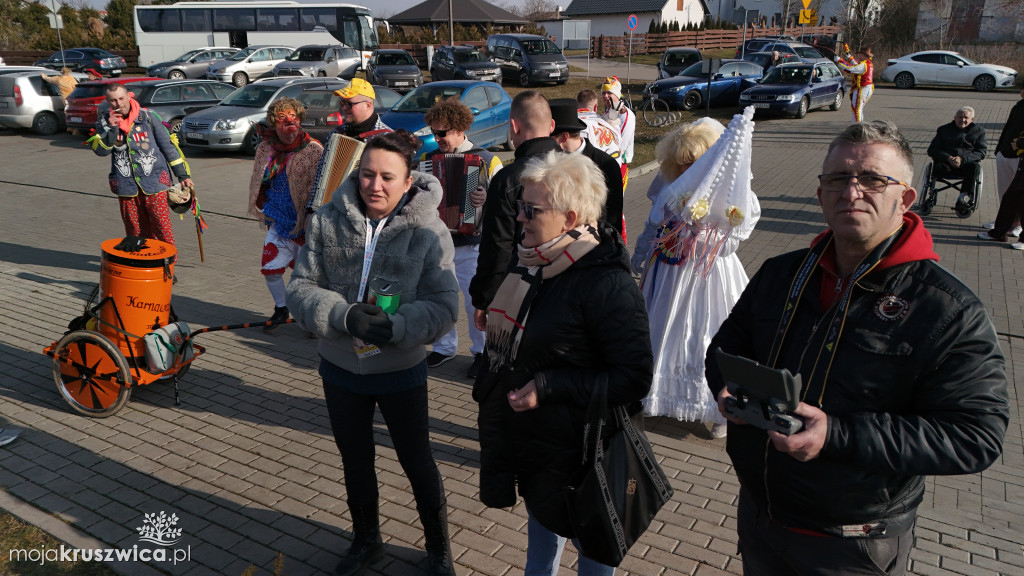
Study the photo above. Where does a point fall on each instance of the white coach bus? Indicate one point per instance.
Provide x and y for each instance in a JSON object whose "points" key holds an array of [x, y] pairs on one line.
{"points": [[165, 32]]}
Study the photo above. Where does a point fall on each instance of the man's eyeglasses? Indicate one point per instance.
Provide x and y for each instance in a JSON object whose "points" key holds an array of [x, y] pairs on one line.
{"points": [[530, 210], [349, 103], [867, 183], [439, 133]]}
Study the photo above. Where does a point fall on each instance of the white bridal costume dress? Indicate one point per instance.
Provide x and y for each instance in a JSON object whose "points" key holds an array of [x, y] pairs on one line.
{"points": [[692, 276]]}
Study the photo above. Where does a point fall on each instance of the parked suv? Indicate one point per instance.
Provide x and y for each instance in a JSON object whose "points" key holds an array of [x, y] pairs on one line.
{"points": [[191, 64], [463, 63], [228, 126], [394, 68], [320, 60], [80, 110], [675, 60], [528, 58], [803, 51], [28, 102], [81, 59], [248, 64]]}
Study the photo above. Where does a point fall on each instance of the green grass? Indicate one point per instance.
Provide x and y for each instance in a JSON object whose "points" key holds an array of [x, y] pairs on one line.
{"points": [[17, 535]]}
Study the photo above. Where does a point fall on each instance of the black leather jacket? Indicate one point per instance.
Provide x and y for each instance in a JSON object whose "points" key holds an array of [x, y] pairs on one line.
{"points": [[950, 140], [917, 387], [589, 319]]}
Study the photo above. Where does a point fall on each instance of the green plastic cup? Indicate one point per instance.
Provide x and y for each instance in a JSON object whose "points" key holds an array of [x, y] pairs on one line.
{"points": [[388, 293]]}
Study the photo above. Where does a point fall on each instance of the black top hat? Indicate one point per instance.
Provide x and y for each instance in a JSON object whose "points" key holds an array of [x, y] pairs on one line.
{"points": [[563, 110]]}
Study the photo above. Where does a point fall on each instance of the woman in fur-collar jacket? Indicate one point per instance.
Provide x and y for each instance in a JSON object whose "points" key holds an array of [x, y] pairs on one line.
{"points": [[380, 234]]}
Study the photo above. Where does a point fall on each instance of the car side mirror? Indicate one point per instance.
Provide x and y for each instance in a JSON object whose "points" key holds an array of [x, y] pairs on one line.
{"points": [[960, 64], [331, 58], [718, 77], [475, 111]]}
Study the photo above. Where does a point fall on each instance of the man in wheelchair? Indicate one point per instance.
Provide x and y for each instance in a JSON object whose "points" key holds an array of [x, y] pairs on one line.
{"points": [[957, 151]]}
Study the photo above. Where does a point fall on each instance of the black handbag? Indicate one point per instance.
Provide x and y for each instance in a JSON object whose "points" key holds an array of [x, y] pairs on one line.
{"points": [[619, 489]]}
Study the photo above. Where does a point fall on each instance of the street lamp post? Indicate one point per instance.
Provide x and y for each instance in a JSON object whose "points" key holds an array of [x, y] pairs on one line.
{"points": [[57, 24], [743, 42]]}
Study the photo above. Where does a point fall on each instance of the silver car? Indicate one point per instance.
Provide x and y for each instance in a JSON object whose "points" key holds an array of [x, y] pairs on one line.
{"points": [[248, 64], [28, 102], [228, 126], [321, 60], [191, 64]]}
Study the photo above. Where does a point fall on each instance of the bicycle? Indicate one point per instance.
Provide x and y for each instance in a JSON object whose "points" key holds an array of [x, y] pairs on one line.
{"points": [[655, 111]]}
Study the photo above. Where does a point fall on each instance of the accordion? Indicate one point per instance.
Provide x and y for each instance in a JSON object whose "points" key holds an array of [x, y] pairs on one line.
{"points": [[341, 158], [459, 175]]}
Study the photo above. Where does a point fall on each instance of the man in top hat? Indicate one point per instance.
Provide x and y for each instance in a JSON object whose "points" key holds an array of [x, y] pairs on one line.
{"points": [[568, 128], [361, 120]]}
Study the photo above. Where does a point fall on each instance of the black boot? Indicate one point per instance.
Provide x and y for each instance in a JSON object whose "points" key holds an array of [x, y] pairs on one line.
{"points": [[280, 314], [367, 546], [439, 550]]}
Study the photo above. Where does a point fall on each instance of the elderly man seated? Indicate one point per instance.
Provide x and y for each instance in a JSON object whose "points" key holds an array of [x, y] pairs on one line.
{"points": [[957, 151]]}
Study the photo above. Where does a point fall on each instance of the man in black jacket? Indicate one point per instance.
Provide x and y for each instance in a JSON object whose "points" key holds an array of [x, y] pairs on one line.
{"points": [[957, 151], [531, 125], [1008, 153], [567, 133], [902, 375]]}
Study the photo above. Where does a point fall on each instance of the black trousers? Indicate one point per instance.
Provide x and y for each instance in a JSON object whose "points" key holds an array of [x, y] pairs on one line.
{"points": [[970, 172], [1011, 207], [405, 415], [769, 549]]}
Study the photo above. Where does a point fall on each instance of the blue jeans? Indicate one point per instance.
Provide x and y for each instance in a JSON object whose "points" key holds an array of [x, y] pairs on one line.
{"points": [[544, 549]]}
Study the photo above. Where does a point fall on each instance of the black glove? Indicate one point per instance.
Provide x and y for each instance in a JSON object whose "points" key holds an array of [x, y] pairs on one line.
{"points": [[131, 244], [369, 323]]}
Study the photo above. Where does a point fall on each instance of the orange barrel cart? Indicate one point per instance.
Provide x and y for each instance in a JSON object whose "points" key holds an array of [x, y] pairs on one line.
{"points": [[110, 348]]}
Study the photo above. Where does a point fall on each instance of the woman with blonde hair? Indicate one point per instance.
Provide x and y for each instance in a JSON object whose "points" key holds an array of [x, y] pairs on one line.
{"points": [[550, 339], [691, 274]]}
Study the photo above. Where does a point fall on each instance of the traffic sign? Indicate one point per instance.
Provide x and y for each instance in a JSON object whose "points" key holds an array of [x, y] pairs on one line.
{"points": [[807, 4], [808, 17], [631, 22]]}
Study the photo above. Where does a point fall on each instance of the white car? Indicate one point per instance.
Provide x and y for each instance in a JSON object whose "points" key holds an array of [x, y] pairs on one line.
{"points": [[944, 68]]}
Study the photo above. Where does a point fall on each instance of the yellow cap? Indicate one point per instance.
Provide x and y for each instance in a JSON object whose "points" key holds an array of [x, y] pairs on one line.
{"points": [[358, 87]]}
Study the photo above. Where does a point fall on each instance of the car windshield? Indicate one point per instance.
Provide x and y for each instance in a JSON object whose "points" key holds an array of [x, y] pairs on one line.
{"points": [[805, 52], [185, 57], [395, 59], [540, 47], [421, 99], [468, 56], [307, 55], [241, 54], [695, 71], [87, 90], [784, 75], [251, 96]]}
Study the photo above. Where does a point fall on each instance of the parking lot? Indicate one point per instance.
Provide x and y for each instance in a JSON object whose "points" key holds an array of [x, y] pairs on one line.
{"points": [[248, 463]]}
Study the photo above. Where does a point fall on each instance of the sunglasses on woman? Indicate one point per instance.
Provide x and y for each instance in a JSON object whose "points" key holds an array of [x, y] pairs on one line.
{"points": [[530, 210]]}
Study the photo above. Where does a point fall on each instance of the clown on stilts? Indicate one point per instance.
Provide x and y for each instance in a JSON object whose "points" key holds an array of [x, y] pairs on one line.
{"points": [[863, 83]]}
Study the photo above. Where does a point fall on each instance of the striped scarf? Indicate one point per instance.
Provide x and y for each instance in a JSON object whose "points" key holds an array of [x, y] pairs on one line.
{"points": [[507, 314]]}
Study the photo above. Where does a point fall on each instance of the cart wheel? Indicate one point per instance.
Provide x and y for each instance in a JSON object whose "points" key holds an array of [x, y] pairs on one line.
{"points": [[91, 373], [964, 211]]}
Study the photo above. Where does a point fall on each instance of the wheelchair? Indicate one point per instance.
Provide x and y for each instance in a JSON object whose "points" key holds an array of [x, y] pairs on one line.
{"points": [[931, 185]]}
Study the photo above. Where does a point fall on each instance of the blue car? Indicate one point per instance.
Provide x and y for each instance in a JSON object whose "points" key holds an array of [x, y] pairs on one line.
{"points": [[489, 102], [794, 89], [689, 89]]}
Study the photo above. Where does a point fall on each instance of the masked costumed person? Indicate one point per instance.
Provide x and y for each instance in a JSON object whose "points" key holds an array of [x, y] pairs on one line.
{"points": [[692, 275], [863, 84], [282, 179], [142, 160]]}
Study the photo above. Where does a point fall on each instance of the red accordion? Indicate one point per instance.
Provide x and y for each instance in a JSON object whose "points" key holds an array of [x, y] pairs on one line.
{"points": [[459, 175]]}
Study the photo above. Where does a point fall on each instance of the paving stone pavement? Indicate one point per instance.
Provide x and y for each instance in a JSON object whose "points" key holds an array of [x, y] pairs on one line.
{"points": [[248, 463]]}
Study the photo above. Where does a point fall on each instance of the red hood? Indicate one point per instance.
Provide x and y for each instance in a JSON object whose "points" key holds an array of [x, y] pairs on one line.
{"points": [[914, 244]]}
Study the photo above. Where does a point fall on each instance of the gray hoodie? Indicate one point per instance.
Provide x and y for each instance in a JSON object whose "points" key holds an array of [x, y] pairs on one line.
{"points": [[414, 249]]}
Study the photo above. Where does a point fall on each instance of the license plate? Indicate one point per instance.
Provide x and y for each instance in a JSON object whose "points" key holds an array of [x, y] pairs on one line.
{"points": [[761, 105], [554, 74], [117, 71], [194, 135], [75, 119], [401, 83]]}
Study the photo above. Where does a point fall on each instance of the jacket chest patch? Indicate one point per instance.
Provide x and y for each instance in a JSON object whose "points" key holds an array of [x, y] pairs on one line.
{"points": [[891, 307], [146, 160], [140, 135]]}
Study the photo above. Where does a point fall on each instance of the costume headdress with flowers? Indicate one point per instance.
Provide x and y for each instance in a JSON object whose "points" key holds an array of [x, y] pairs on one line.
{"points": [[712, 201]]}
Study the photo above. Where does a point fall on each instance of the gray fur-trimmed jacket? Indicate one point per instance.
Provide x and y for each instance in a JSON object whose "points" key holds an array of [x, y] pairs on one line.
{"points": [[414, 249]]}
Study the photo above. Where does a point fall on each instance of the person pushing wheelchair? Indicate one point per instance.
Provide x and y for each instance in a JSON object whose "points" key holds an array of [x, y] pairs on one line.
{"points": [[957, 151]]}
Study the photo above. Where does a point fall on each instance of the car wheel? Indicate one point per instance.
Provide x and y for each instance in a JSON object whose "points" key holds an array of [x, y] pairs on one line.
{"points": [[524, 79], [45, 123], [904, 80], [984, 83], [251, 142], [691, 100], [175, 127], [176, 75], [239, 79], [322, 74], [802, 110], [838, 102]]}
